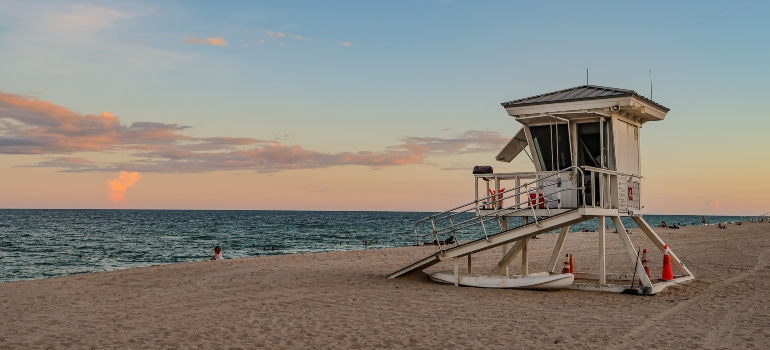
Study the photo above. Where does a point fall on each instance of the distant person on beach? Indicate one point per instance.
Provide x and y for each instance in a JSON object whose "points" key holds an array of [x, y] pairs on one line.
{"points": [[703, 220], [217, 253]]}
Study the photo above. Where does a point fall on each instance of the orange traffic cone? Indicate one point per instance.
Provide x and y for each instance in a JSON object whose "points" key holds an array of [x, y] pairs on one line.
{"points": [[666, 274], [571, 265], [565, 269]]}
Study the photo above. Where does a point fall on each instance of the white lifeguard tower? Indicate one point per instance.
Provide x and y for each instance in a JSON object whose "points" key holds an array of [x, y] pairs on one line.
{"points": [[584, 143]]}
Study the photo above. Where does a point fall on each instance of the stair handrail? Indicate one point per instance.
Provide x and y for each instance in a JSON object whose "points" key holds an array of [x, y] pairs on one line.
{"points": [[494, 198], [453, 227]]}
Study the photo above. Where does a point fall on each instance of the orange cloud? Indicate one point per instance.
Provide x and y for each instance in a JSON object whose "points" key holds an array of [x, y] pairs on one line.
{"points": [[119, 185], [218, 41], [715, 205], [31, 126], [345, 43]]}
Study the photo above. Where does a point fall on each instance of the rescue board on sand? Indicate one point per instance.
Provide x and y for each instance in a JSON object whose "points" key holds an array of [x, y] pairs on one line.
{"points": [[556, 281]]}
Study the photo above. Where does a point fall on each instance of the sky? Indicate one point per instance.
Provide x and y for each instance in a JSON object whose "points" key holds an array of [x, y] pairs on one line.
{"points": [[362, 105]]}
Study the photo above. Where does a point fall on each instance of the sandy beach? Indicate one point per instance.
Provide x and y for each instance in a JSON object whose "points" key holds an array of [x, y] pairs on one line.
{"points": [[342, 300]]}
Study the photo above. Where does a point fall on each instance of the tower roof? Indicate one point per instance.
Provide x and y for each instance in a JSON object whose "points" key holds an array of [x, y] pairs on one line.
{"points": [[579, 93]]}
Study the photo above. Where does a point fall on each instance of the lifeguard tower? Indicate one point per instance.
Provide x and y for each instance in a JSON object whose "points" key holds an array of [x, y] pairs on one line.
{"points": [[584, 144]]}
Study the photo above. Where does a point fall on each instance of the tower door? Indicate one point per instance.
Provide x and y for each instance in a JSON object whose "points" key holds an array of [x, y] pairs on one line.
{"points": [[593, 150]]}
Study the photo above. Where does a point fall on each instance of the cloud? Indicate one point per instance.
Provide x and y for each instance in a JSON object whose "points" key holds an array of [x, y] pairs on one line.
{"points": [[218, 41], [32, 126], [345, 43], [79, 22], [472, 141], [119, 185], [245, 45], [715, 205], [275, 34], [455, 168], [261, 41], [301, 38], [57, 38]]}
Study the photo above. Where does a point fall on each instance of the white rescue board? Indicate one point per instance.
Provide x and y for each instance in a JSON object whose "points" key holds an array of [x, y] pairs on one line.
{"points": [[562, 280]]}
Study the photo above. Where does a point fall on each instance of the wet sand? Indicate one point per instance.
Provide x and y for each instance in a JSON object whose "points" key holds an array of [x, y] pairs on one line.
{"points": [[342, 300]]}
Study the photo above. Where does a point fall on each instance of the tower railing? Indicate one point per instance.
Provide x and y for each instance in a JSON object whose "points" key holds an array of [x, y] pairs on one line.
{"points": [[541, 195]]}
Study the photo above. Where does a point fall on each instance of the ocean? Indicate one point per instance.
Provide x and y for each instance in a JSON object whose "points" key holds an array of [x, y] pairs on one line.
{"points": [[51, 243]]}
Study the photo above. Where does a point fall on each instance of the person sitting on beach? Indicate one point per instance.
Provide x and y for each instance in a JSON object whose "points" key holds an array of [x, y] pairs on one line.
{"points": [[217, 254], [663, 224], [449, 240]]}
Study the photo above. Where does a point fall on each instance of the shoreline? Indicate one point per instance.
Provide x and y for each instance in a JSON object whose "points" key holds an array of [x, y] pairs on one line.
{"points": [[75, 242], [342, 300]]}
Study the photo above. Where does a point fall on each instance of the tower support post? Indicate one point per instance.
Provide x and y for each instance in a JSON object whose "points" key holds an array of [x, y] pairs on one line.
{"points": [[602, 257], [631, 252]]}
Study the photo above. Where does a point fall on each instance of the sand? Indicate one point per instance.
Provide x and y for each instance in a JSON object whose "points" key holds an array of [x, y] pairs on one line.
{"points": [[342, 300]]}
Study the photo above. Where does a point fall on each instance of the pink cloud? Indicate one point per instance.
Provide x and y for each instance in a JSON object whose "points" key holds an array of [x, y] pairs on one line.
{"points": [[31, 126]]}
